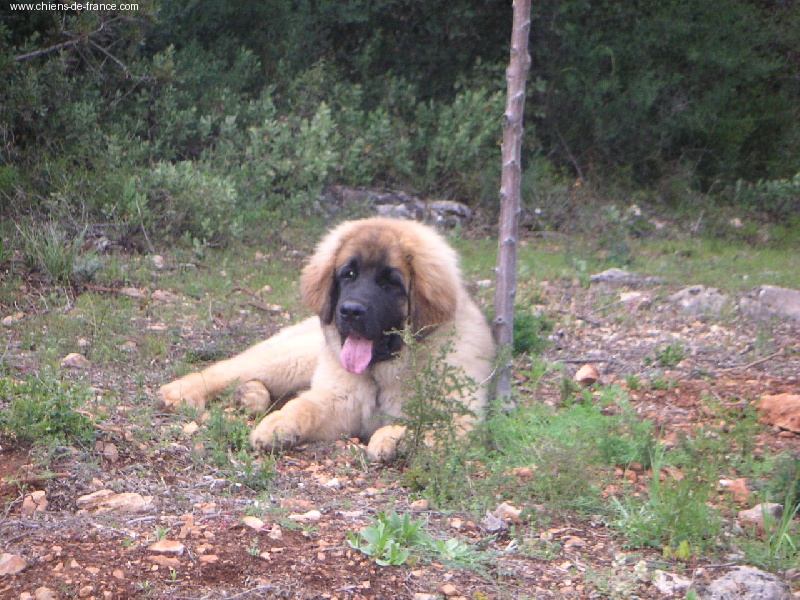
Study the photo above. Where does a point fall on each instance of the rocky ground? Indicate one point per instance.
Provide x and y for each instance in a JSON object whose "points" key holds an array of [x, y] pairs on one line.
{"points": [[148, 524]]}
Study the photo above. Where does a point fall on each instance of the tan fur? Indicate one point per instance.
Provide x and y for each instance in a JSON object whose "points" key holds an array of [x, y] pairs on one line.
{"points": [[306, 356]]}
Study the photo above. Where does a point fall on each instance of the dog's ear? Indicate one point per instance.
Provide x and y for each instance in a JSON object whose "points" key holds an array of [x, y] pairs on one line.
{"points": [[434, 286], [318, 286]]}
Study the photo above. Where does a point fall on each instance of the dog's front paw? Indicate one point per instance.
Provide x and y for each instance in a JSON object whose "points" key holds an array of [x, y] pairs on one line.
{"points": [[190, 390], [275, 432], [385, 443]]}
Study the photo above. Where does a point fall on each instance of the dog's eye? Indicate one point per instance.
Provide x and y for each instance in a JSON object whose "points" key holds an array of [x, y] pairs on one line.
{"points": [[348, 272], [389, 279]]}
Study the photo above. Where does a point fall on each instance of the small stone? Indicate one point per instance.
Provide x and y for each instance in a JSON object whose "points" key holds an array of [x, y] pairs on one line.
{"points": [[158, 261], [165, 297], [419, 505], [670, 583], [168, 547], [781, 411], [508, 513], [108, 450], [168, 562], [276, 533], [105, 500], [312, 516], [190, 428], [254, 523], [587, 375], [34, 502], [756, 514], [11, 564], [208, 559], [11, 320], [737, 487], [448, 589], [44, 593], [75, 361]]}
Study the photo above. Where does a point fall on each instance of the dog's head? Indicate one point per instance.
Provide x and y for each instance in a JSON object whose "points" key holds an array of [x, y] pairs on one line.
{"points": [[371, 278]]}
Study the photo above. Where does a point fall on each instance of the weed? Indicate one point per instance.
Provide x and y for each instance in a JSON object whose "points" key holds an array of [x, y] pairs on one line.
{"points": [[779, 546], [254, 549], [45, 410], [675, 514], [387, 539], [436, 398], [634, 382], [160, 533], [530, 333], [661, 384], [392, 540], [228, 446], [47, 249], [667, 356]]}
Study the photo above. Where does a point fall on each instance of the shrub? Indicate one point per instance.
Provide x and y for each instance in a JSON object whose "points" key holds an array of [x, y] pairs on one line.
{"points": [[43, 410]]}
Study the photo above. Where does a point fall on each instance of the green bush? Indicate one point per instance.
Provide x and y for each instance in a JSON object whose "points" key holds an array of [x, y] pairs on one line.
{"points": [[780, 198], [45, 410]]}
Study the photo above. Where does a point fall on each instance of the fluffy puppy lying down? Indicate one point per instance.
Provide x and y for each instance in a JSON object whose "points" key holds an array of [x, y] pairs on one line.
{"points": [[367, 280]]}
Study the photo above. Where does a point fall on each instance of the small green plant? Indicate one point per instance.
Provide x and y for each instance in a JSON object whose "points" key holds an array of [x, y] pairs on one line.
{"points": [[675, 514], [634, 382], [45, 410], [668, 356], [387, 539], [661, 384], [47, 249], [436, 398], [530, 333], [228, 446], [392, 540], [254, 549]]}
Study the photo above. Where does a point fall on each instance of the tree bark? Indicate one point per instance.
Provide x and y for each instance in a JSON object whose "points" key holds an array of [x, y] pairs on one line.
{"points": [[506, 284]]}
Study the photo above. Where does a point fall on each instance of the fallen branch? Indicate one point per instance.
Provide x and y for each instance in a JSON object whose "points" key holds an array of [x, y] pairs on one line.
{"points": [[755, 363]]}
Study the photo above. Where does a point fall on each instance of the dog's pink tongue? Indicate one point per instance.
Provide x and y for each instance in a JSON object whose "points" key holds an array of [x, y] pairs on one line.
{"points": [[356, 354]]}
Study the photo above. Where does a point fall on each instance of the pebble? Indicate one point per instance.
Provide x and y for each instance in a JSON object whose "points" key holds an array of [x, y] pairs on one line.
{"points": [[76, 361], [11, 564]]}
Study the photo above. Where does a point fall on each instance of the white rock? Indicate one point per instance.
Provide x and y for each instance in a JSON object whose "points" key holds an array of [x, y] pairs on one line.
{"points": [[745, 583], [312, 515], [670, 583], [756, 514]]}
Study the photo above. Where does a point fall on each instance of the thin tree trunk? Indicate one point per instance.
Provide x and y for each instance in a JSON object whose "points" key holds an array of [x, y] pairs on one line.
{"points": [[506, 285]]}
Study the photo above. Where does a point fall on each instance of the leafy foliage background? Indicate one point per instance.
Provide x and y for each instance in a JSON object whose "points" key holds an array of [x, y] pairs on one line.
{"points": [[177, 116]]}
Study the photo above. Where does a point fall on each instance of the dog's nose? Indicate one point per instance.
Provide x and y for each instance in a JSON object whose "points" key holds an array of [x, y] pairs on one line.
{"points": [[352, 311]]}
